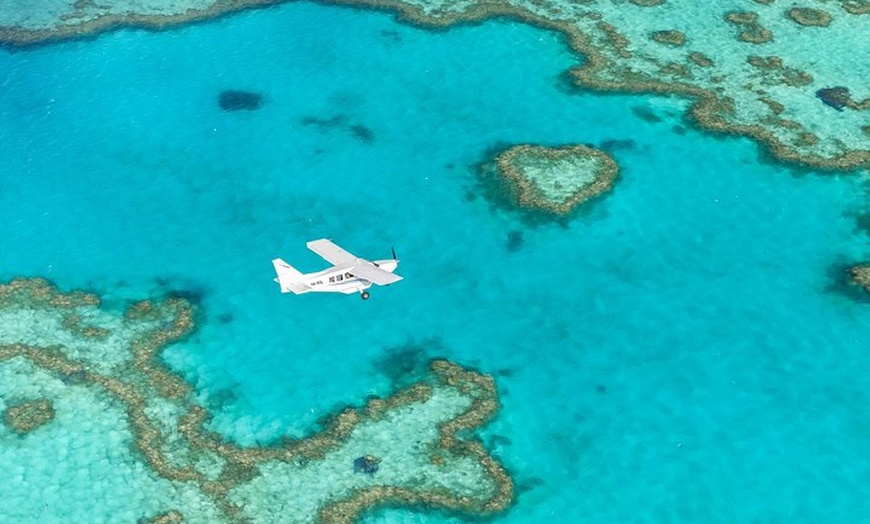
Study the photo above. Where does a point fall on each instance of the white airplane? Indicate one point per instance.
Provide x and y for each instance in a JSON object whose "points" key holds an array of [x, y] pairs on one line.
{"points": [[348, 274]]}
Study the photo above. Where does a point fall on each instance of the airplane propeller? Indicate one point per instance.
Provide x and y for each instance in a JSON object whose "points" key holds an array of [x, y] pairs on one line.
{"points": [[394, 253]]}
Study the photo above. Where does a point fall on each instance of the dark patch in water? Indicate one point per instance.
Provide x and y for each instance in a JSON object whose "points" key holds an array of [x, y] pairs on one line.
{"points": [[601, 389], [408, 362], [526, 485], [514, 241], [362, 133], [222, 399], [236, 100], [366, 464], [862, 221], [498, 440], [173, 287], [645, 114], [192, 295], [837, 97], [506, 372], [394, 36], [225, 318], [340, 122], [324, 123], [615, 144], [678, 129]]}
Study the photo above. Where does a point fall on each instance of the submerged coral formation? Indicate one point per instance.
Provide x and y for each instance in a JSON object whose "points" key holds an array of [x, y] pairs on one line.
{"points": [[809, 17], [236, 100], [861, 275], [24, 417], [122, 377], [556, 179], [366, 464], [837, 97], [622, 42], [669, 37], [750, 30], [168, 517]]}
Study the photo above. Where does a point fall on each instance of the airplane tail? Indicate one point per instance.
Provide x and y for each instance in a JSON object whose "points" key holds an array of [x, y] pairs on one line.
{"points": [[288, 277]]}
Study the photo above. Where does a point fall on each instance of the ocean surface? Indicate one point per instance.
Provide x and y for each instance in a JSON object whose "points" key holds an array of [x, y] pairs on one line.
{"points": [[681, 350]]}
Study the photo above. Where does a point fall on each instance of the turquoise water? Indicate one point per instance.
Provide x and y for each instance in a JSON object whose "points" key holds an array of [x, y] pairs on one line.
{"points": [[676, 352]]}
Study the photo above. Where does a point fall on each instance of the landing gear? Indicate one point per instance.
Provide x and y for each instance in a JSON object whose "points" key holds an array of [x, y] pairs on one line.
{"points": [[364, 295]]}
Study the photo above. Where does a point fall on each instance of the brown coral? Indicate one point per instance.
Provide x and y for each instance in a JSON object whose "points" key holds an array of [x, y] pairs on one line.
{"points": [[24, 417], [809, 17], [861, 275], [751, 31], [670, 37]]}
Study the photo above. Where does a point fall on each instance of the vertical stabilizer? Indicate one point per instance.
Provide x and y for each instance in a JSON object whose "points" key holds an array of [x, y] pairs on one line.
{"points": [[289, 277]]}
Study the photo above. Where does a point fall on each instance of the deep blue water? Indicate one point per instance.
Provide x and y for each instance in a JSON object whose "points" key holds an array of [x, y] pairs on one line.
{"points": [[673, 353]]}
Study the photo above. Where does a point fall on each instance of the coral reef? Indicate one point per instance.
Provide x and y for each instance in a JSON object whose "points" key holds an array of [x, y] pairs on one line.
{"points": [[809, 17], [556, 179], [750, 30], [168, 517], [168, 426], [771, 71], [624, 53], [24, 417], [700, 59], [670, 37], [856, 7]]}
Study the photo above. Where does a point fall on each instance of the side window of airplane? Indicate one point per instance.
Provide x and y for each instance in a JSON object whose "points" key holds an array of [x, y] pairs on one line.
{"points": [[339, 277], [331, 280]]}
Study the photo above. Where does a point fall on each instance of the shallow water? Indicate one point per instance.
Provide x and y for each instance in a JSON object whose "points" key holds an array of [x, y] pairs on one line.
{"points": [[677, 351]]}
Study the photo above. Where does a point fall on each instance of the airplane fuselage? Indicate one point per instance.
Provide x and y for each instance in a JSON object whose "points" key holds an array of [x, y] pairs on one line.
{"points": [[340, 278]]}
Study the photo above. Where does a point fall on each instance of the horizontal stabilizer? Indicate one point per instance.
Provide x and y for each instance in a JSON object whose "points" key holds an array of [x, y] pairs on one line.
{"points": [[289, 277], [374, 274]]}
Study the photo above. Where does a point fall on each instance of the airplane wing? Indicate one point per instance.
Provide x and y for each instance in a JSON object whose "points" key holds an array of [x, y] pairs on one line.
{"points": [[330, 252], [374, 274]]}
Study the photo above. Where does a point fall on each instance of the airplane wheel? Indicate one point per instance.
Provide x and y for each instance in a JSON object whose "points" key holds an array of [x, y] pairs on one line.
{"points": [[365, 295]]}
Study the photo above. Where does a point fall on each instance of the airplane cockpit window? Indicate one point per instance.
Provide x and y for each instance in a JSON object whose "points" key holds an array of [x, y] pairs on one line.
{"points": [[348, 275]]}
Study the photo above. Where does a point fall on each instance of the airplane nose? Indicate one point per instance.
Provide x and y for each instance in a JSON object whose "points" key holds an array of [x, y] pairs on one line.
{"points": [[387, 265]]}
